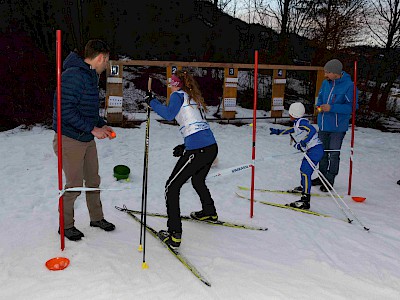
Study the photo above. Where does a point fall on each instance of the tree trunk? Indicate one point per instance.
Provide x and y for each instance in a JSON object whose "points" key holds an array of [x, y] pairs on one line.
{"points": [[374, 102], [380, 95]]}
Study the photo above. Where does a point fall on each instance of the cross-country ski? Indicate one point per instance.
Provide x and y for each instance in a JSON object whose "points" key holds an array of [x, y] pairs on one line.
{"points": [[304, 211], [176, 253], [189, 218], [245, 188]]}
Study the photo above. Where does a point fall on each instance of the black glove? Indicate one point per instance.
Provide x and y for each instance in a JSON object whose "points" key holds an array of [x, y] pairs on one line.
{"points": [[179, 150], [149, 97]]}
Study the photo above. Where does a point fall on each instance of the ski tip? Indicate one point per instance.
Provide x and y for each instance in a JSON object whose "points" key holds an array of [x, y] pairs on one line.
{"points": [[123, 208], [367, 229]]}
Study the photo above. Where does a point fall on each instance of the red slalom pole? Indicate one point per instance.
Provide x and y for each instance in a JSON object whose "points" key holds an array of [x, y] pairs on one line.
{"points": [[353, 121], [253, 153], [59, 139]]}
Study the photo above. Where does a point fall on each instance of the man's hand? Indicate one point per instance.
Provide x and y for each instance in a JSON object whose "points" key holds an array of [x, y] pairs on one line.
{"points": [[325, 107], [103, 132]]}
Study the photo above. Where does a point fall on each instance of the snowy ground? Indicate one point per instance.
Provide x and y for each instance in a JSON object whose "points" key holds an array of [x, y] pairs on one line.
{"points": [[299, 257]]}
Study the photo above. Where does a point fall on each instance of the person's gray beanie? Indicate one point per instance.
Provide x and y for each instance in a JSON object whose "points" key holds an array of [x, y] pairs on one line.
{"points": [[334, 66]]}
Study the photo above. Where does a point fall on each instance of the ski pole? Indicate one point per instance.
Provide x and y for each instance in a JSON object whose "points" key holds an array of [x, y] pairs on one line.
{"points": [[239, 168], [327, 183], [144, 185], [330, 188]]}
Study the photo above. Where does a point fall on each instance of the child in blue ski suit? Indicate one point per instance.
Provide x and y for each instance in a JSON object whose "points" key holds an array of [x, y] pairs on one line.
{"points": [[306, 140]]}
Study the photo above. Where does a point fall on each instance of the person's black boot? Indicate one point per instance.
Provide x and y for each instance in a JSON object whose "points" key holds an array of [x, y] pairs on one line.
{"points": [[297, 189], [315, 182], [172, 239], [72, 234], [303, 203], [201, 216], [324, 189], [103, 224], [329, 179]]}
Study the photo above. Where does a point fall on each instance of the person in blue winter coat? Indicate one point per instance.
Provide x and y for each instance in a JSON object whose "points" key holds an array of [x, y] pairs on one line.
{"points": [[335, 106], [80, 124], [306, 140], [196, 155]]}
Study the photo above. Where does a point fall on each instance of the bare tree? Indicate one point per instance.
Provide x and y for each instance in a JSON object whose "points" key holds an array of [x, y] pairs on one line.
{"points": [[222, 4], [227, 6], [265, 14], [285, 16], [383, 19], [335, 23]]}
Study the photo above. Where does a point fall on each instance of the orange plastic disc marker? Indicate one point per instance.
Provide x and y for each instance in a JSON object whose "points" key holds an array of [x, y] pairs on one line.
{"points": [[57, 263], [358, 199]]}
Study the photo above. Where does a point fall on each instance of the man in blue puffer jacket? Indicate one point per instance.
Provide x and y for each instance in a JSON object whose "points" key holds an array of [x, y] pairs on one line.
{"points": [[335, 106], [81, 123]]}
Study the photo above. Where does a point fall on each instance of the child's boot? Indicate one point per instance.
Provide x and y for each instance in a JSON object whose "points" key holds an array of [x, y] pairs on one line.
{"points": [[303, 203]]}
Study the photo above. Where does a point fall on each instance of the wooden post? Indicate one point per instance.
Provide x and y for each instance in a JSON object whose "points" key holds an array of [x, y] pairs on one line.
{"points": [[278, 92], [114, 92], [230, 93]]}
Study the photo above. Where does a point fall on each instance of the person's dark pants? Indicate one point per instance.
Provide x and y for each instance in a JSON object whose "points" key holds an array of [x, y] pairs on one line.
{"points": [[329, 164], [193, 164]]}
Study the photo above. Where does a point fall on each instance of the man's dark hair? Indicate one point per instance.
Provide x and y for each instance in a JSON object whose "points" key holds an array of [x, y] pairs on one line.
{"points": [[95, 47]]}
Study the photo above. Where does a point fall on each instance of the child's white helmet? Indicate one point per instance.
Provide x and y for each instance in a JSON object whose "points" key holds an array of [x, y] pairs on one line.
{"points": [[297, 110]]}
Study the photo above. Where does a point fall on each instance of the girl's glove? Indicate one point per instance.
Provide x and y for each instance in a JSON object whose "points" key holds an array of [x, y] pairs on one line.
{"points": [[179, 150]]}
